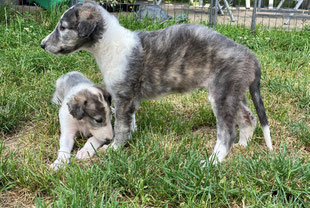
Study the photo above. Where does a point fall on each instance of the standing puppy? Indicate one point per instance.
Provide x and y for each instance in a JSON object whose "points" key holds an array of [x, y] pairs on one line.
{"points": [[143, 65], [85, 108]]}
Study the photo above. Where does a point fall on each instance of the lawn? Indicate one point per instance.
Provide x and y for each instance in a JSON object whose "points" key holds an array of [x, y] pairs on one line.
{"points": [[161, 165]]}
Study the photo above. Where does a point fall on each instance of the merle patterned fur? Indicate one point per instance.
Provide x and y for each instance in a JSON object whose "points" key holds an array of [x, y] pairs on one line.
{"points": [[143, 65]]}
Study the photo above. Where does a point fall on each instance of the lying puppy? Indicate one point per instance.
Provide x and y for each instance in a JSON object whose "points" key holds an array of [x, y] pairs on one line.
{"points": [[143, 65], [85, 108]]}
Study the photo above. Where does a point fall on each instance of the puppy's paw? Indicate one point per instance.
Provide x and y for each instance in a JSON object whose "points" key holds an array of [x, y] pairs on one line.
{"points": [[203, 164], [59, 163], [133, 127], [115, 146], [214, 159], [62, 159], [105, 147], [243, 143], [85, 153], [112, 146]]}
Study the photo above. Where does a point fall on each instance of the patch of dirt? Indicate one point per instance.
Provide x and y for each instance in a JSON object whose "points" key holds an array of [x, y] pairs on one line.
{"points": [[17, 198], [11, 141]]}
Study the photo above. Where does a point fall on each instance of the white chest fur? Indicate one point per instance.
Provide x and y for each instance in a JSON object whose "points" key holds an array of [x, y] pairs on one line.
{"points": [[112, 54]]}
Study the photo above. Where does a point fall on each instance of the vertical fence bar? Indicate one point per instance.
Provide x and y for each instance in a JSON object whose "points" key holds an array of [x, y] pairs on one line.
{"points": [[259, 5], [200, 3], [254, 17], [211, 13], [215, 12], [238, 12]]}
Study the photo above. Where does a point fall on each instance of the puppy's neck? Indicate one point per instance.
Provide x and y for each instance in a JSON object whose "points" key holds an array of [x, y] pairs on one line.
{"points": [[115, 36], [113, 49]]}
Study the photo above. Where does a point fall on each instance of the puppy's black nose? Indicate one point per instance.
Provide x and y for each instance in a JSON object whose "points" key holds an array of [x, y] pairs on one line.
{"points": [[43, 45]]}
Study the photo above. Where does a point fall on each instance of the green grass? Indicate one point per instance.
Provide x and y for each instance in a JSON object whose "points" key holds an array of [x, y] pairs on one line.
{"points": [[161, 165]]}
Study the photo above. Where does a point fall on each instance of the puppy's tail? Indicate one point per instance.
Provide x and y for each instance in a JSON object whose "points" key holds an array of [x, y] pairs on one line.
{"points": [[259, 106]]}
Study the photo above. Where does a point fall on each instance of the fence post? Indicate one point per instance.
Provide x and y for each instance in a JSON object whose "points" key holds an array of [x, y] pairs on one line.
{"points": [[254, 17], [211, 13], [215, 12]]}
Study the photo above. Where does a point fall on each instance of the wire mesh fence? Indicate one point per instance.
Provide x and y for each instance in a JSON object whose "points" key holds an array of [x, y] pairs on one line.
{"points": [[280, 14]]}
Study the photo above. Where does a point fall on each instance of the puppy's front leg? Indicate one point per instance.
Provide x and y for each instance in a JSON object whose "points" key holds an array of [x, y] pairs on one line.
{"points": [[89, 148], [133, 126], [66, 142], [124, 114]]}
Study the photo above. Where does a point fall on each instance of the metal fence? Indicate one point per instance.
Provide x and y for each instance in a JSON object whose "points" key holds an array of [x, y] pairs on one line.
{"points": [[280, 14]]}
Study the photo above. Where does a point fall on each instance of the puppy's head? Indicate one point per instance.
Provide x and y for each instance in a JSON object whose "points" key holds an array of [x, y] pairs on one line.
{"points": [[93, 106], [80, 26]]}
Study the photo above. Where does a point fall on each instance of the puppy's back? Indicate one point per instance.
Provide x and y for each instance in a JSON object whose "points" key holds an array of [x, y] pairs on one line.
{"points": [[65, 83]]}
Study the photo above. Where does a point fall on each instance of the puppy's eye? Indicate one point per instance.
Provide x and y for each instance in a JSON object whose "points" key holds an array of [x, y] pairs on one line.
{"points": [[62, 28], [98, 120]]}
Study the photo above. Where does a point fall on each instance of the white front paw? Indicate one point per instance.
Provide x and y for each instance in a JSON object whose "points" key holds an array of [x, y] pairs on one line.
{"points": [[133, 127], [243, 143], [115, 146], [203, 163], [206, 163], [85, 153], [214, 159], [59, 163], [105, 147], [62, 159]]}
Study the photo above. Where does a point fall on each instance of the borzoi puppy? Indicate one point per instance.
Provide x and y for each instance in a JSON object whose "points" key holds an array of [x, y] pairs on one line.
{"points": [[143, 65], [85, 108]]}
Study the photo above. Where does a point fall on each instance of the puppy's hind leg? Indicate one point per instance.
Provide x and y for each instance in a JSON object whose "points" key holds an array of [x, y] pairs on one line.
{"points": [[225, 112], [226, 135], [246, 122]]}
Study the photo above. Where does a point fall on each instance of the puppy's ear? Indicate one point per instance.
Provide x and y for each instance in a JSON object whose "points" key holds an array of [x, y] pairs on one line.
{"points": [[77, 107], [107, 97], [86, 27]]}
